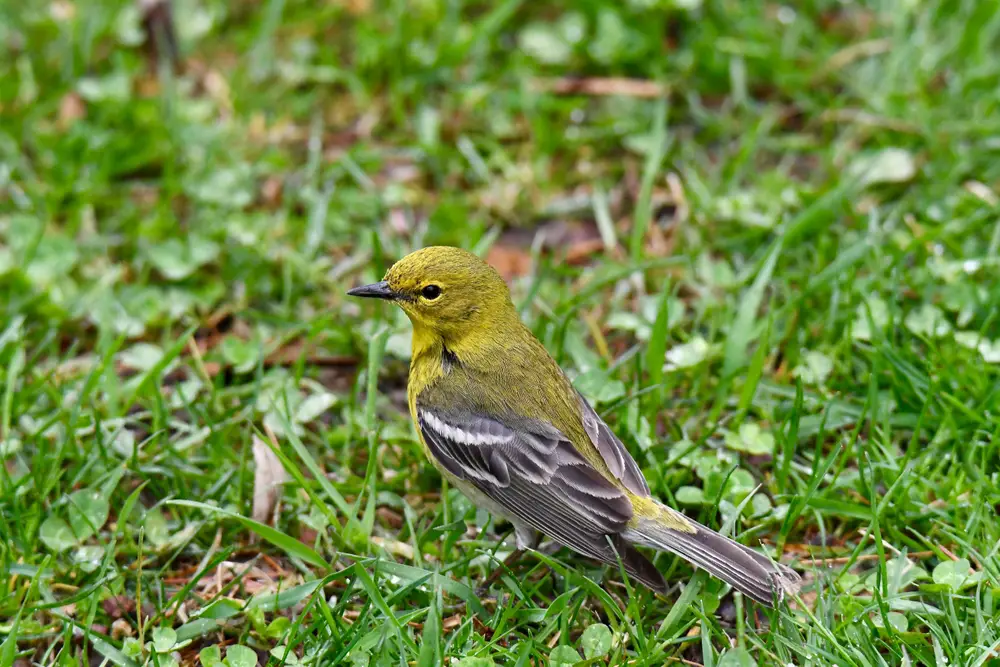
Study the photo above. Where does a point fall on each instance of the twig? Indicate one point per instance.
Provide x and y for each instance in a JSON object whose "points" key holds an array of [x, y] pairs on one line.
{"points": [[856, 51], [157, 18], [601, 86], [871, 120], [683, 661], [840, 560]]}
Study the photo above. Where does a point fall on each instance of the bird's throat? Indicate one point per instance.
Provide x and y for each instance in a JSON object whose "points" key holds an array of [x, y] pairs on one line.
{"points": [[425, 341], [429, 347]]}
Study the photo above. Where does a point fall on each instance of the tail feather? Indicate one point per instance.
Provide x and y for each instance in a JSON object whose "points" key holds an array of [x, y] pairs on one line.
{"points": [[752, 573]]}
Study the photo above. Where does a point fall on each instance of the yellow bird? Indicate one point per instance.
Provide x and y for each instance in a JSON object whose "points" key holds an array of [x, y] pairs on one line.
{"points": [[502, 422]]}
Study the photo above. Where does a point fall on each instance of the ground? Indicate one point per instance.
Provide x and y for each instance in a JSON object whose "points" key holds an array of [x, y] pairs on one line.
{"points": [[762, 238]]}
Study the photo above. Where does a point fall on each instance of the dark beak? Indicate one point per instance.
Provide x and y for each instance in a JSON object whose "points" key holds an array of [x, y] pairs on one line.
{"points": [[379, 290]]}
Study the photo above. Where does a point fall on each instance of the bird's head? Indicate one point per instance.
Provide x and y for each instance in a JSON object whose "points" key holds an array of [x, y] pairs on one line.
{"points": [[444, 290]]}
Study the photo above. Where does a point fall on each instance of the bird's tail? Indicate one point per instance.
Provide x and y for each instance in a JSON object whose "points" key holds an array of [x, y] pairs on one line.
{"points": [[746, 570]]}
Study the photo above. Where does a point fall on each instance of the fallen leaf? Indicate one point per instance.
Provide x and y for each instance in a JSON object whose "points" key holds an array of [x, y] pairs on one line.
{"points": [[574, 241], [218, 89], [71, 109], [355, 7], [399, 221], [270, 192], [118, 606], [390, 516], [580, 253], [269, 475], [395, 547], [509, 261], [62, 10], [120, 629], [307, 535], [983, 192]]}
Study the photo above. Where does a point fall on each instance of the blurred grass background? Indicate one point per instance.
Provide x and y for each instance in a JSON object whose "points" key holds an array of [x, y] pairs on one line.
{"points": [[761, 237]]}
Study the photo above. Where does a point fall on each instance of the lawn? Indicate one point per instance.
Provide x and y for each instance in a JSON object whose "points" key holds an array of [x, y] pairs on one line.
{"points": [[763, 239]]}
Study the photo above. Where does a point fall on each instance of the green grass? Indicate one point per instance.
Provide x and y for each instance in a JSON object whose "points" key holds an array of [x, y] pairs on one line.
{"points": [[783, 273]]}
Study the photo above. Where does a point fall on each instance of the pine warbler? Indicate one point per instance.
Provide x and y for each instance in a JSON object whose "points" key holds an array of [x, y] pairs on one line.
{"points": [[502, 422]]}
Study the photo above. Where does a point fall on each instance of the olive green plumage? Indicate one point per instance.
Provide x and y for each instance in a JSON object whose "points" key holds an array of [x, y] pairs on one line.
{"points": [[502, 422]]}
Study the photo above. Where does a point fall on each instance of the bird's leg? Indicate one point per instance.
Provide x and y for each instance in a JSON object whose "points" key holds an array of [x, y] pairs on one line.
{"points": [[549, 548], [524, 539]]}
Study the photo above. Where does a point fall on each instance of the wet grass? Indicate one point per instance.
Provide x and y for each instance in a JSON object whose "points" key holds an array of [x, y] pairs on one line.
{"points": [[770, 258]]}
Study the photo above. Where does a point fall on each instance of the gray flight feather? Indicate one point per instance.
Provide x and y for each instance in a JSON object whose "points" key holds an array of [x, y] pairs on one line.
{"points": [[540, 481]]}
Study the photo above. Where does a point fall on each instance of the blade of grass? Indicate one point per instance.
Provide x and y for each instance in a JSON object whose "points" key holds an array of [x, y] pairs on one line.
{"points": [[602, 216], [656, 350], [791, 439], [741, 332], [654, 160], [303, 483], [376, 350], [754, 373], [8, 650], [409, 573], [286, 543], [332, 494], [13, 373], [430, 638]]}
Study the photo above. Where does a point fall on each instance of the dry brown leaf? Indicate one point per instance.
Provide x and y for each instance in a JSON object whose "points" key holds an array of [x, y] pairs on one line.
{"points": [[866, 119], [307, 535], [147, 87], [271, 191], [509, 261], [355, 7], [268, 477], [62, 11], [118, 606], [982, 191], [395, 547], [218, 89], [71, 109], [390, 516], [855, 51], [580, 253], [575, 241], [120, 628]]}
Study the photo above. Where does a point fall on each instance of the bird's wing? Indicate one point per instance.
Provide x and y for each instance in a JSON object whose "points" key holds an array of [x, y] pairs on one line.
{"points": [[533, 472], [619, 461]]}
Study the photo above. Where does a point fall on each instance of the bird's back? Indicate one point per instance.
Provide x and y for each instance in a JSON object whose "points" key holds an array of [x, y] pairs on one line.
{"points": [[516, 381]]}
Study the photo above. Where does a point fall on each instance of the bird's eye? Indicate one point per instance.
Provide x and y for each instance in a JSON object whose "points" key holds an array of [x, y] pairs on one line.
{"points": [[431, 292]]}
